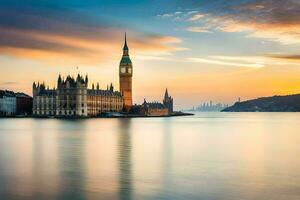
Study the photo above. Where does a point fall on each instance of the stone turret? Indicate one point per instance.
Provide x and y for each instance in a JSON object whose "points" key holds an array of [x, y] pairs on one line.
{"points": [[86, 80], [168, 102], [111, 87], [59, 81]]}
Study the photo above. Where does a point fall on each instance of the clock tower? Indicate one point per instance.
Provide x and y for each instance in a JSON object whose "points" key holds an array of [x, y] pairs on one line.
{"points": [[125, 75]]}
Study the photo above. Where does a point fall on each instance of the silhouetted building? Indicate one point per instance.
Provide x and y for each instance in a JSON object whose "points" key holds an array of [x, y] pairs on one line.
{"points": [[24, 103]]}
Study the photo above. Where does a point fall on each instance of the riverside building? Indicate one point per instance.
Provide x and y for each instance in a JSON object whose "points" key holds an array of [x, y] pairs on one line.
{"points": [[72, 97], [12, 103], [156, 108], [8, 103]]}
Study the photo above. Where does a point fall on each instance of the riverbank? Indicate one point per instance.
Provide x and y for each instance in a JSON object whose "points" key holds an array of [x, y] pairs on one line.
{"points": [[108, 115]]}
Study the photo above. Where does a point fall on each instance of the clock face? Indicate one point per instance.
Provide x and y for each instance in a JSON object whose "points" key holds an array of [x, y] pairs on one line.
{"points": [[129, 70], [123, 70]]}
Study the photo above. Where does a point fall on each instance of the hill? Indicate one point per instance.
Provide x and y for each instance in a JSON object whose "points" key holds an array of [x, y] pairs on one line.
{"points": [[290, 103]]}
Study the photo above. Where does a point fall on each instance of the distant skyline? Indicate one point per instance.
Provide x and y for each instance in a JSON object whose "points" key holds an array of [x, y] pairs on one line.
{"points": [[199, 49]]}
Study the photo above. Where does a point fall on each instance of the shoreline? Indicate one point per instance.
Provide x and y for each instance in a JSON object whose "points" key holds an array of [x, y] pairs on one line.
{"points": [[177, 114]]}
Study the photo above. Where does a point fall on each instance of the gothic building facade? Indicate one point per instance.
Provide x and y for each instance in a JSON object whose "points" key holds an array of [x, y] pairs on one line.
{"points": [[72, 97], [156, 108]]}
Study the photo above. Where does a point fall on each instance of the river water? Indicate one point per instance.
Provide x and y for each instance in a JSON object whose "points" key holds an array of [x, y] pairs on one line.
{"points": [[228, 156]]}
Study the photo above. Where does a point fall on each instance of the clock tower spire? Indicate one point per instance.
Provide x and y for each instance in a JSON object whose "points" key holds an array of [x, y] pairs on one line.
{"points": [[125, 77]]}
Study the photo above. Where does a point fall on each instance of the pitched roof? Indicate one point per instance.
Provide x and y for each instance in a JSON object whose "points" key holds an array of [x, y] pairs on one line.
{"points": [[21, 94], [6, 93], [125, 60], [154, 105]]}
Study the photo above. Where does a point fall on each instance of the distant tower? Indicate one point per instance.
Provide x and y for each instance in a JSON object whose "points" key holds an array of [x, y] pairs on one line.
{"points": [[59, 81], [125, 75], [33, 89], [111, 87], [168, 102]]}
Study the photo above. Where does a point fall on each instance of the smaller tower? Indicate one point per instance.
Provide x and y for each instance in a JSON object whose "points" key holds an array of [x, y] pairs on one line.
{"points": [[78, 79], [59, 81], [168, 102], [111, 87], [86, 80], [34, 89]]}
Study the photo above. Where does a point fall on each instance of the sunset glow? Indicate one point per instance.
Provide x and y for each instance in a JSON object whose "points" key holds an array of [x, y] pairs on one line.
{"points": [[198, 49]]}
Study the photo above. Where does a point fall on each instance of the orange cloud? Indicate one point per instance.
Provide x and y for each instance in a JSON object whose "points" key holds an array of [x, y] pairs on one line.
{"points": [[274, 20], [226, 63], [283, 33], [291, 57], [41, 45], [249, 61]]}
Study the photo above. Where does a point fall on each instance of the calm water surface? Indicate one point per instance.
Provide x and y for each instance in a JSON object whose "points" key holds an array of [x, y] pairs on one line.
{"points": [[209, 156]]}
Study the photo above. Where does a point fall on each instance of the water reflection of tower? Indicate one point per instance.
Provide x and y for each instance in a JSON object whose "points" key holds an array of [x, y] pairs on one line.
{"points": [[124, 160], [71, 145], [167, 160], [45, 158]]}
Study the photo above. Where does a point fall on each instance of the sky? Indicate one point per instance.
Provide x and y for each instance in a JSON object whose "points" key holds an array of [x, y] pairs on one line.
{"points": [[200, 50]]}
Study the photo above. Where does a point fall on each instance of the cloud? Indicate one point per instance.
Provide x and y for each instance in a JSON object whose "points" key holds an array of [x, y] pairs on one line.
{"points": [[274, 20], [72, 37], [249, 61], [165, 15], [192, 12], [175, 16], [8, 83], [225, 63], [293, 57], [198, 29], [196, 17]]}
